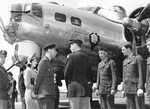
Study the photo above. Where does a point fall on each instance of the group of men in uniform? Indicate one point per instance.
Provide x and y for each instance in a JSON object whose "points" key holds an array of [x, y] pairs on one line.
{"points": [[76, 73], [133, 78]]}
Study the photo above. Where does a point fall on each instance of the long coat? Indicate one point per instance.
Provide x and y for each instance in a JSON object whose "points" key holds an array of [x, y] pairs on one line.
{"points": [[148, 76], [4, 83], [133, 74], [107, 76], [76, 71], [45, 81]]}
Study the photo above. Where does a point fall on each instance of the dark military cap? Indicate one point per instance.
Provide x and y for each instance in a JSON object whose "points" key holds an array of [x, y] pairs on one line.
{"points": [[126, 44], [102, 49], [49, 47], [3, 53], [10, 73], [77, 41]]}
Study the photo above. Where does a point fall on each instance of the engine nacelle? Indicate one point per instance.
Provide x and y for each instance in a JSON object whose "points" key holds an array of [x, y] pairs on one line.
{"points": [[25, 48], [138, 29]]}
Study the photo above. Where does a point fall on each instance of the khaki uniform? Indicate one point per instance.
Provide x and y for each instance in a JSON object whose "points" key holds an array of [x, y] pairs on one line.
{"points": [[45, 85], [107, 81], [133, 80]]}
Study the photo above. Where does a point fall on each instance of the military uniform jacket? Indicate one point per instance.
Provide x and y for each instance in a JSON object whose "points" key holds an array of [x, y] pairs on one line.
{"points": [[106, 76], [4, 83], [76, 71], [133, 74], [148, 76], [44, 84]]}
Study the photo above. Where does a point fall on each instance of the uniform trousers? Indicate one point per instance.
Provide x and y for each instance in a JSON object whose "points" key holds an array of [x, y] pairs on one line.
{"points": [[107, 101], [23, 103], [57, 98], [3, 104], [12, 102], [135, 102], [79, 103], [46, 102]]}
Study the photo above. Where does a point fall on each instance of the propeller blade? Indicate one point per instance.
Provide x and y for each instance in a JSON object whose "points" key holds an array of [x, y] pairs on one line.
{"points": [[134, 49], [145, 13]]}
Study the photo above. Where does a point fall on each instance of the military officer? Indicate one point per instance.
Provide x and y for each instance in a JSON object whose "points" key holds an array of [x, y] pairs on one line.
{"points": [[148, 71], [45, 84], [106, 80], [4, 82], [133, 83], [76, 72], [58, 67]]}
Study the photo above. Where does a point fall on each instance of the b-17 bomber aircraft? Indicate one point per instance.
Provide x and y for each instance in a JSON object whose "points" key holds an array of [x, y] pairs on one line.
{"points": [[34, 25]]}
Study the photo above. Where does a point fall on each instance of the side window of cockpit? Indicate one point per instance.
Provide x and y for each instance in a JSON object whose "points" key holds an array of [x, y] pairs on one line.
{"points": [[76, 21], [37, 10], [60, 17]]}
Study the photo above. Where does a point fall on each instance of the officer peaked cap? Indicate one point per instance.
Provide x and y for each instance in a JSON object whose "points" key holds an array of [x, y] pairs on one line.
{"points": [[51, 46], [3, 53], [77, 41]]}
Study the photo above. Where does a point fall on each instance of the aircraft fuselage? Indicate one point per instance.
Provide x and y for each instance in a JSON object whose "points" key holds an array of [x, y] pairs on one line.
{"points": [[58, 24]]}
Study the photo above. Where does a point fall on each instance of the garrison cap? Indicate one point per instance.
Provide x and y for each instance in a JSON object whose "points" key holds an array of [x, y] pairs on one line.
{"points": [[126, 44], [102, 49], [10, 73], [49, 47], [3, 53], [77, 41]]}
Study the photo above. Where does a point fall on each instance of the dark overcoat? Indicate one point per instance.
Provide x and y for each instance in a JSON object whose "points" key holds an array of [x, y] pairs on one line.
{"points": [[76, 71], [4, 84], [45, 83], [133, 72], [107, 76], [148, 76]]}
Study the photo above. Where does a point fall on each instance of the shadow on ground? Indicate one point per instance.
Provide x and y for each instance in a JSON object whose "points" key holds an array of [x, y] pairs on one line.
{"points": [[95, 105]]}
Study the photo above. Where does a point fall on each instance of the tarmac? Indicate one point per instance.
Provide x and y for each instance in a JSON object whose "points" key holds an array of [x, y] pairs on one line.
{"points": [[119, 102]]}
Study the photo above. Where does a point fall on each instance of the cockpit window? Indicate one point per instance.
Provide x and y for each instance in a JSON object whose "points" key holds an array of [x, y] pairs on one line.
{"points": [[118, 9], [76, 21], [37, 10], [60, 17]]}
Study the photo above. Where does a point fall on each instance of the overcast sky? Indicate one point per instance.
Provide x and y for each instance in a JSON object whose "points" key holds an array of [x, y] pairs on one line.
{"points": [[5, 7]]}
